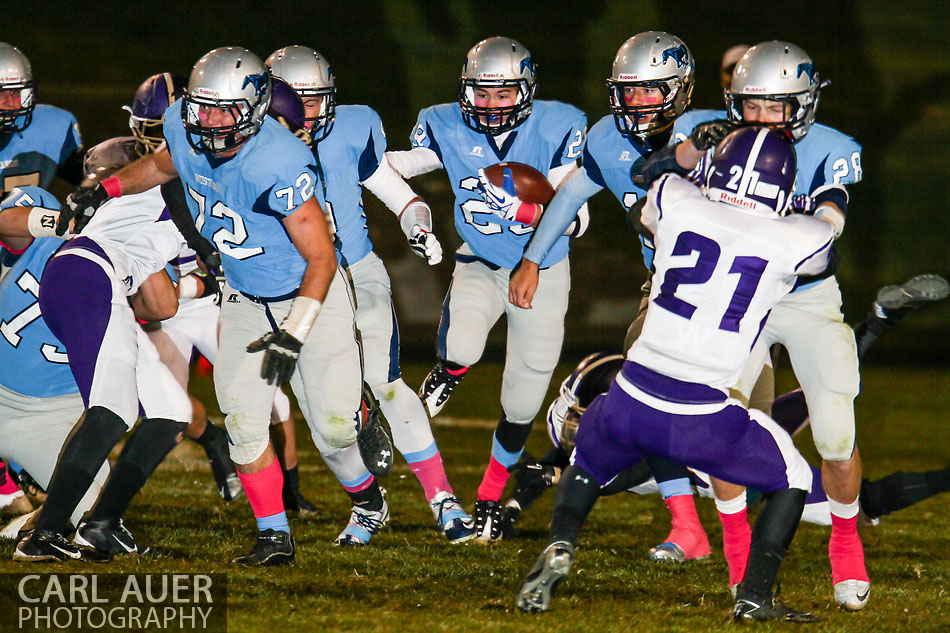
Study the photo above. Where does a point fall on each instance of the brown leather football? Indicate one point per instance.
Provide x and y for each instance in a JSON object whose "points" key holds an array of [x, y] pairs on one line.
{"points": [[531, 185]]}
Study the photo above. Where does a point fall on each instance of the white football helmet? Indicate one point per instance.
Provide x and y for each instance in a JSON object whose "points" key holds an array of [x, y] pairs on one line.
{"points": [[230, 78], [651, 60], [777, 71], [16, 74], [310, 75], [495, 63]]}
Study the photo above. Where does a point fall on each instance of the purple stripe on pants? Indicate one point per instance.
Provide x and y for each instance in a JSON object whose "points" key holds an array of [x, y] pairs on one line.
{"points": [[76, 303], [617, 430]]}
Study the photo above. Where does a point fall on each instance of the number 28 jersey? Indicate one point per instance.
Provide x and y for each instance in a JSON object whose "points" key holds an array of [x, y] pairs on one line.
{"points": [[719, 272], [239, 203], [552, 136]]}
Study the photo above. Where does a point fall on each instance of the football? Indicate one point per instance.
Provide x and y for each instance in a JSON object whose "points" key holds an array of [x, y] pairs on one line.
{"points": [[531, 185]]}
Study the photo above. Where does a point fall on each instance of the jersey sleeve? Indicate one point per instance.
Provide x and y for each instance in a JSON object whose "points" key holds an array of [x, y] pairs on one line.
{"points": [[72, 141], [291, 184], [841, 167], [371, 153], [422, 134], [813, 240], [664, 193], [572, 144]]}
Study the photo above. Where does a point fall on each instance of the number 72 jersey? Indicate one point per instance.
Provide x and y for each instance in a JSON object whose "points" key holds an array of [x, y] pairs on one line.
{"points": [[719, 272], [239, 203]]}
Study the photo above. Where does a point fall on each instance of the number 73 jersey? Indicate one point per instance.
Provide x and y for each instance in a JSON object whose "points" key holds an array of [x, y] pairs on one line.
{"points": [[719, 272], [239, 203]]}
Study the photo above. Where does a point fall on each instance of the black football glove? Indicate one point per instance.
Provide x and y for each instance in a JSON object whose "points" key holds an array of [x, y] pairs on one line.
{"points": [[531, 474], [709, 134], [80, 204], [280, 356]]}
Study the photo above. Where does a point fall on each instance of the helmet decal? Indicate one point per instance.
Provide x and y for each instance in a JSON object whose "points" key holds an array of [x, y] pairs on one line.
{"points": [[679, 54]]}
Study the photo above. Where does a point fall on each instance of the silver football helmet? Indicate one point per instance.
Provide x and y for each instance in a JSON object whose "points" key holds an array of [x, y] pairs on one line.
{"points": [[232, 79], [495, 63], [104, 159], [777, 71], [310, 75], [16, 74], [651, 60]]}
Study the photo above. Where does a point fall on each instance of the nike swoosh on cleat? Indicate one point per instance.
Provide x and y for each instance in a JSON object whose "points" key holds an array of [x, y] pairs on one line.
{"points": [[127, 549], [77, 555], [864, 596]]}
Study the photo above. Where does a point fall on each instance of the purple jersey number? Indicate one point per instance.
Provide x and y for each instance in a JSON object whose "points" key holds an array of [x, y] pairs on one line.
{"points": [[749, 269]]}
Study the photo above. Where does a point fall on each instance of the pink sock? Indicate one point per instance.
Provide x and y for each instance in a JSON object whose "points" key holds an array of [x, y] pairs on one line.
{"points": [[736, 541], [687, 530], [431, 474], [360, 487], [263, 490], [7, 485], [845, 551], [493, 483]]}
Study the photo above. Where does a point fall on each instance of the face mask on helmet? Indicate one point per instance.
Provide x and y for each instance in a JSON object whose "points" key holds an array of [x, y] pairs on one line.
{"points": [[775, 84], [287, 108], [650, 84], [490, 66], [147, 112], [226, 101], [589, 379], [753, 169], [17, 90], [309, 74]]}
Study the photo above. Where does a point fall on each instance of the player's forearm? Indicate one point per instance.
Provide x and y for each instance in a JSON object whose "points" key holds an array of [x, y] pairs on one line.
{"points": [[149, 171], [318, 276], [157, 298], [387, 185], [687, 156], [563, 209]]}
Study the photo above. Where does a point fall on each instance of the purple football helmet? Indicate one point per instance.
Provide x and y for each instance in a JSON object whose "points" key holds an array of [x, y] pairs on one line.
{"points": [[753, 169], [147, 113], [589, 379], [287, 107]]}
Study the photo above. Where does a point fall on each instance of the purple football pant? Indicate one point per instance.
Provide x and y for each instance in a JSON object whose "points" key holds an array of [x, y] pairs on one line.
{"points": [[647, 414]]}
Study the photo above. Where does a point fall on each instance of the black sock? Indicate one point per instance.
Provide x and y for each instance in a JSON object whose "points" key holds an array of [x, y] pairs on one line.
{"points": [[139, 458], [512, 437], [634, 476], [576, 495], [665, 470], [368, 499], [771, 536], [210, 435], [868, 330], [80, 460], [901, 490], [292, 479]]}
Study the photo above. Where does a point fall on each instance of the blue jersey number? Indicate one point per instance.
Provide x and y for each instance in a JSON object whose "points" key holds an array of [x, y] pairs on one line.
{"points": [[749, 269]]}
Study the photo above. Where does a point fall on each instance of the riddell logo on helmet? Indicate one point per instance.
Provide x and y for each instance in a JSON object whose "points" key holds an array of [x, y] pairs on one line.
{"points": [[204, 92], [490, 76], [10, 78], [627, 77], [754, 90]]}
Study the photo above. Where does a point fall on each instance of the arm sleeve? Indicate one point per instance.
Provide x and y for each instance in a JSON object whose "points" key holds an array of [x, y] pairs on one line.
{"points": [[413, 162], [571, 196], [386, 185]]}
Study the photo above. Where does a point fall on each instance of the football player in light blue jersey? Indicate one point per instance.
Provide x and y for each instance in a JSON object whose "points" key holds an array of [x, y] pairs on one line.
{"points": [[777, 84], [348, 144], [649, 87], [37, 142], [254, 192], [495, 119]]}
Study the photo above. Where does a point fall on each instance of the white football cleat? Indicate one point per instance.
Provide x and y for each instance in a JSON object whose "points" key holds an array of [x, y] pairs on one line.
{"points": [[852, 595]]}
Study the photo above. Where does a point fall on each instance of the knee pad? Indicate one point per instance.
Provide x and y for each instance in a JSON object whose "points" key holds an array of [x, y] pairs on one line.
{"points": [[338, 431]]}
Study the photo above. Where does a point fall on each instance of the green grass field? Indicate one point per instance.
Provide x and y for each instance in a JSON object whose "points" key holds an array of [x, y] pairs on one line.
{"points": [[411, 579]]}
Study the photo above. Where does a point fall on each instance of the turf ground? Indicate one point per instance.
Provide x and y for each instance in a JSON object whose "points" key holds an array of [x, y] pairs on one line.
{"points": [[411, 579]]}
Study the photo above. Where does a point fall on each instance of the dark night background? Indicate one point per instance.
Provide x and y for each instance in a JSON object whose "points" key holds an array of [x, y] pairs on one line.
{"points": [[889, 64]]}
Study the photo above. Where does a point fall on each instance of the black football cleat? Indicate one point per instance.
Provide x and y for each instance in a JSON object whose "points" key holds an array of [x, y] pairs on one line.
{"points": [[271, 548], [376, 448], [772, 609], [108, 535], [487, 517], [49, 545], [438, 386]]}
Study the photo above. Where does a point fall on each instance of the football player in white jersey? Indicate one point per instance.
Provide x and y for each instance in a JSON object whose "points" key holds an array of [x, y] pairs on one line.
{"points": [[496, 118], [777, 84], [724, 257]]}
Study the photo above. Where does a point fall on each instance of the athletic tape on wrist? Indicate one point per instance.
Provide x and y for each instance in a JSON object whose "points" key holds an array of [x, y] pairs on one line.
{"points": [[113, 187], [42, 222], [832, 215], [303, 313], [416, 214], [188, 287]]}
